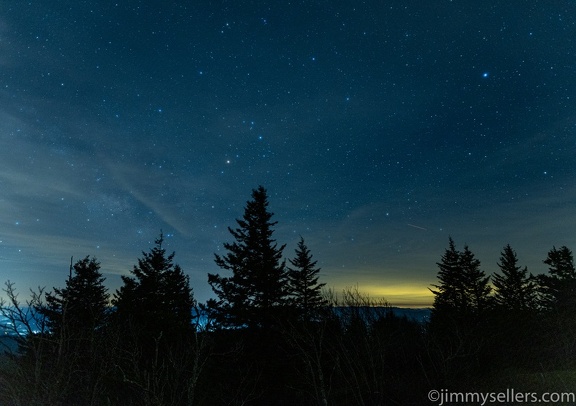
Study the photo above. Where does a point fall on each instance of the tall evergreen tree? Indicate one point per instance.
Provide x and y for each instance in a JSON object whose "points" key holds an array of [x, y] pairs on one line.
{"points": [[158, 297], [76, 316], [514, 334], [558, 287], [557, 290], [464, 289], [514, 288], [153, 320], [459, 313], [449, 294], [476, 284], [256, 292], [81, 307], [303, 280]]}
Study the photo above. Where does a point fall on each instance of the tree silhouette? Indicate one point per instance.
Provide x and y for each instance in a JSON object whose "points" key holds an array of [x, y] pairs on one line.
{"points": [[557, 290], [450, 293], [76, 316], [515, 329], [158, 297], [257, 291], [82, 306], [464, 289], [303, 278], [558, 287], [476, 284], [459, 313], [514, 288], [153, 319]]}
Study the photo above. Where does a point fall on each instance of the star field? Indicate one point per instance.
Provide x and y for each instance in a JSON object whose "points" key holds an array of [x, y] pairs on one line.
{"points": [[378, 128]]}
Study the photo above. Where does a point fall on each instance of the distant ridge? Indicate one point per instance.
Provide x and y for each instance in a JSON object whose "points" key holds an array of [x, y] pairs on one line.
{"points": [[420, 315]]}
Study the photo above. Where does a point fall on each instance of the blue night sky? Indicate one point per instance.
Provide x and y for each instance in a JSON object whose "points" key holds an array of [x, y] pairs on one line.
{"points": [[379, 128]]}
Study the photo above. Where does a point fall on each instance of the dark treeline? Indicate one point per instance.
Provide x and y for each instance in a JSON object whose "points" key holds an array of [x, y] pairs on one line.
{"points": [[272, 335]]}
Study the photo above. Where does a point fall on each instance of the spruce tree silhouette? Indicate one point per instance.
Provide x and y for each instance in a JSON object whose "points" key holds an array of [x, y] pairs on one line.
{"points": [[460, 313], [514, 288], [158, 297], [256, 293], [449, 294], [80, 308], [76, 316], [558, 286], [464, 289], [153, 320], [306, 292]]}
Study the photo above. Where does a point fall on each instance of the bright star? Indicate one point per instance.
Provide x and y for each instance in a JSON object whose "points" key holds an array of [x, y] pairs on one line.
{"points": [[485, 74]]}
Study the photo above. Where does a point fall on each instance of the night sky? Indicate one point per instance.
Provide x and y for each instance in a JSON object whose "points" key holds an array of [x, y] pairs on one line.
{"points": [[379, 128]]}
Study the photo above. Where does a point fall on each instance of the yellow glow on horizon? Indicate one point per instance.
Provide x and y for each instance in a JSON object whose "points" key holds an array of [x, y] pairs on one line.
{"points": [[398, 295]]}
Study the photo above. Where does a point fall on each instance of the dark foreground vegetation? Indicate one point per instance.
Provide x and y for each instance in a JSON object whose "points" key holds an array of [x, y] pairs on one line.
{"points": [[273, 336]]}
